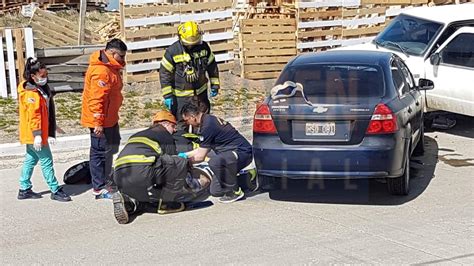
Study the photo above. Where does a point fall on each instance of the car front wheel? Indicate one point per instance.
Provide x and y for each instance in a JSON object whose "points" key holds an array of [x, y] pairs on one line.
{"points": [[401, 185]]}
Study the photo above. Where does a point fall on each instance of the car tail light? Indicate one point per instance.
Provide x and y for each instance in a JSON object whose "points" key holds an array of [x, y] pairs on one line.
{"points": [[383, 121], [262, 121]]}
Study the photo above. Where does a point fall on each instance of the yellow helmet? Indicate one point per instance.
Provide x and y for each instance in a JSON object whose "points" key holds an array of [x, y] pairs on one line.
{"points": [[190, 33]]}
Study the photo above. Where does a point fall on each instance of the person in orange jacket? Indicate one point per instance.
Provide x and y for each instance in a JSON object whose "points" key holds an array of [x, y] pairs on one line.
{"points": [[37, 130], [101, 102]]}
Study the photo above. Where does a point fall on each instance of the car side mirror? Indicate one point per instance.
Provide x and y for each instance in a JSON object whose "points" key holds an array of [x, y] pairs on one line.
{"points": [[435, 59], [425, 84]]}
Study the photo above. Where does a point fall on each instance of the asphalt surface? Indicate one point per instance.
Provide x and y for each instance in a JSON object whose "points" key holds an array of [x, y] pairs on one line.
{"points": [[334, 222]]}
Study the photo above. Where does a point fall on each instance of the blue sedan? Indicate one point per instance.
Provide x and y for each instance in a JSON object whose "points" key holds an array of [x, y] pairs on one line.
{"points": [[341, 114]]}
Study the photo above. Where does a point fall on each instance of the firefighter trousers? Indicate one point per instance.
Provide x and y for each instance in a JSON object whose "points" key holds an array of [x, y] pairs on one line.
{"points": [[165, 179]]}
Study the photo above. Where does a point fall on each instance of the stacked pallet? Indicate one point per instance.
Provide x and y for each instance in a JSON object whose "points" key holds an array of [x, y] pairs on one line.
{"points": [[267, 44], [150, 26], [67, 65], [53, 31], [395, 7], [361, 24], [17, 45], [14, 5], [109, 30], [325, 24], [319, 25]]}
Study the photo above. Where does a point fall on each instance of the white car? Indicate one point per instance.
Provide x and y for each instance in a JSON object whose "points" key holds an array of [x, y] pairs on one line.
{"points": [[436, 43]]}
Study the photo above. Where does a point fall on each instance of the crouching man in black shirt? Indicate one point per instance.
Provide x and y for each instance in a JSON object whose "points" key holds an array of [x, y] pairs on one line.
{"points": [[233, 152]]}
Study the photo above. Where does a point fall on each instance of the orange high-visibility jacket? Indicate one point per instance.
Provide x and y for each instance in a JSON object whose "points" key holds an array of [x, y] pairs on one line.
{"points": [[33, 110], [102, 95]]}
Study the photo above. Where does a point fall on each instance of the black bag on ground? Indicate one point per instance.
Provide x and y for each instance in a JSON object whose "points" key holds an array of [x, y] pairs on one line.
{"points": [[78, 174]]}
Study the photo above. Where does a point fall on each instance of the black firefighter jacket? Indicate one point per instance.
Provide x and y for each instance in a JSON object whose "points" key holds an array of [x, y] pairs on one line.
{"points": [[174, 63]]}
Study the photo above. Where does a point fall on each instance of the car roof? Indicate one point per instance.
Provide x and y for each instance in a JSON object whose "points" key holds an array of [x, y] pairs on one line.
{"points": [[445, 14], [344, 57]]}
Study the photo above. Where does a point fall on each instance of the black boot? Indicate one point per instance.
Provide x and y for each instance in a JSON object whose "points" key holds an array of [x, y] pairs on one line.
{"points": [[124, 206]]}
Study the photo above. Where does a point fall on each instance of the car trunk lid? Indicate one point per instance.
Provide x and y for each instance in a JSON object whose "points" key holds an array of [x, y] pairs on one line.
{"points": [[324, 122], [340, 100]]}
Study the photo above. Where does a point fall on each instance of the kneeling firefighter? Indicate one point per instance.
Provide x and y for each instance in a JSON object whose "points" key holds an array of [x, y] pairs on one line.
{"points": [[147, 170], [183, 71]]}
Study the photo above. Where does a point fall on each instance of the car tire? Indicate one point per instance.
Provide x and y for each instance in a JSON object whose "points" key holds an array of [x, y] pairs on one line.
{"points": [[268, 183], [401, 185], [428, 121], [420, 147]]}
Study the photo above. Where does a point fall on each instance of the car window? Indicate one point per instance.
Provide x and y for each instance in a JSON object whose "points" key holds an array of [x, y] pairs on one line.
{"points": [[411, 34], [398, 79], [406, 74], [450, 30], [460, 51], [336, 80]]}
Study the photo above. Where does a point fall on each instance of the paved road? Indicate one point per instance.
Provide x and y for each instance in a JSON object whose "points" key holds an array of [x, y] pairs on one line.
{"points": [[335, 222]]}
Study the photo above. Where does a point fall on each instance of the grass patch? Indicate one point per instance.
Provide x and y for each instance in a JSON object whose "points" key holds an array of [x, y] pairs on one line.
{"points": [[8, 101], [131, 94], [153, 105], [68, 106]]}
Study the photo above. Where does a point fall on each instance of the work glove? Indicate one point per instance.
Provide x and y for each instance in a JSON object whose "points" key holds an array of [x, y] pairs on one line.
{"points": [[37, 143], [51, 141], [183, 155], [214, 90], [168, 102]]}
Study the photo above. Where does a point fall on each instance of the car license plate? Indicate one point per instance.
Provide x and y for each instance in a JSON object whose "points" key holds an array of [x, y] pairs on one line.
{"points": [[321, 129]]}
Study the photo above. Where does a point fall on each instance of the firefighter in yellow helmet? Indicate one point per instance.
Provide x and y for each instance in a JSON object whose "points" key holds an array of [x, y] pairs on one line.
{"points": [[183, 71]]}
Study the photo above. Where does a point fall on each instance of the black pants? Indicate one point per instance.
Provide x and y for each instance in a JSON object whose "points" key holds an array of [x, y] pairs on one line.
{"points": [[201, 100], [225, 166], [164, 179], [101, 155]]}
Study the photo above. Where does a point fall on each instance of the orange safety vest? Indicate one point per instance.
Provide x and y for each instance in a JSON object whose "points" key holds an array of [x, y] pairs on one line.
{"points": [[102, 95]]}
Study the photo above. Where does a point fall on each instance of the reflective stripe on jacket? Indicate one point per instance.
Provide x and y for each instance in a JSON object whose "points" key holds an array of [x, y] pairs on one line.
{"points": [[145, 145], [173, 65]]}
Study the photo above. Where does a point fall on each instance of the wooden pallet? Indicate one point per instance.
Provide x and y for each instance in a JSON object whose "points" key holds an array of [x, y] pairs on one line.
{"points": [[149, 28], [53, 5], [361, 24], [17, 45], [266, 46], [319, 28], [53, 31]]}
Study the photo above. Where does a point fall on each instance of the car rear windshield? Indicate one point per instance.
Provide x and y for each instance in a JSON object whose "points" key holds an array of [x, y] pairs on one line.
{"points": [[336, 80]]}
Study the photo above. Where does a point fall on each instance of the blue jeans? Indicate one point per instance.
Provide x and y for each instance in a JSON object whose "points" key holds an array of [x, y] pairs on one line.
{"points": [[46, 161], [101, 155]]}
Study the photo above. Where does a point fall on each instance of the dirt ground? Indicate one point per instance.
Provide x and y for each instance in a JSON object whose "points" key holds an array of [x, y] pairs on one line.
{"points": [[237, 98]]}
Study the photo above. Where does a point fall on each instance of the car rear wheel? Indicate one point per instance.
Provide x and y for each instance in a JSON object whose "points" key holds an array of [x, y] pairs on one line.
{"points": [[420, 147], [401, 185]]}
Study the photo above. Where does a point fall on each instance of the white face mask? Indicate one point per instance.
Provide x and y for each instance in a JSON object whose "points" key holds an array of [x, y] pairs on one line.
{"points": [[42, 81]]}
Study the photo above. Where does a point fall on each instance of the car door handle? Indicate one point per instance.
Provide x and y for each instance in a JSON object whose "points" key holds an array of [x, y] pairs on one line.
{"points": [[417, 103], [409, 110]]}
